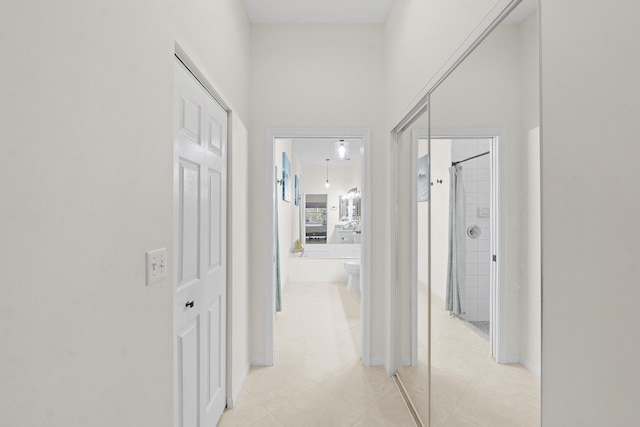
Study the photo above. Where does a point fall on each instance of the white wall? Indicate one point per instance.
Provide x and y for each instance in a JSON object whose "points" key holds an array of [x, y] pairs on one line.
{"points": [[420, 35], [440, 163], [531, 263], [423, 223], [531, 295], [318, 76], [590, 206], [86, 165], [238, 349]]}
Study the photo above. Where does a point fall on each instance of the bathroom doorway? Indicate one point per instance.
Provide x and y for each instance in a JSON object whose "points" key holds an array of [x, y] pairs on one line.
{"points": [[474, 221], [282, 164]]}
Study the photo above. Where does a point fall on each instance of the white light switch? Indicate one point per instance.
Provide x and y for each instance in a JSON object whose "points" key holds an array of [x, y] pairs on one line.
{"points": [[156, 265]]}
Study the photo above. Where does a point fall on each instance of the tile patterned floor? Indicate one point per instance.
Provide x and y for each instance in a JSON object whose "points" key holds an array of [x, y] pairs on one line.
{"points": [[469, 389], [318, 379], [482, 326]]}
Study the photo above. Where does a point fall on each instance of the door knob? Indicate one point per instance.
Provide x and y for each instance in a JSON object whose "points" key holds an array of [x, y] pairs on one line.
{"points": [[189, 304]]}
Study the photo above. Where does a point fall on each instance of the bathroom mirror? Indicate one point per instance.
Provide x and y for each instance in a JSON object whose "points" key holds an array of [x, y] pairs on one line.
{"points": [[473, 356], [344, 203], [315, 218], [350, 205]]}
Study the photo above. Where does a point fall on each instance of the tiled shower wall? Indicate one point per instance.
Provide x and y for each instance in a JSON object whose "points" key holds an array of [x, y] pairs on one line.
{"points": [[476, 177]]}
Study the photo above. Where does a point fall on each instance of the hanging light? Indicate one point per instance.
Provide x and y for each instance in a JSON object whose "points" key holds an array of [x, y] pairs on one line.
{"points": [[342, 149], [326, 184]]}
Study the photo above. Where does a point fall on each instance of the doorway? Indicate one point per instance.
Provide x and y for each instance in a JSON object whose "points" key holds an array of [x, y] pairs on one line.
{"points": [[273, 135], [481, 150]]}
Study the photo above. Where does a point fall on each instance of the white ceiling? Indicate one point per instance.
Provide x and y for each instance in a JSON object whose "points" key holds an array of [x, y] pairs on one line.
{"points": [[317, 11], [315, 151]]}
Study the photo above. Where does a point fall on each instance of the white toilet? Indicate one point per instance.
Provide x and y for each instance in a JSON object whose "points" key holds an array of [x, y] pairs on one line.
{"points": [[353, 270]]}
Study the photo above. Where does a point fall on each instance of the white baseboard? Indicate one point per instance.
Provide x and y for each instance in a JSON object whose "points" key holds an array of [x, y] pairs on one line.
{"points": [[511, 359], [258, 362], [406, 361], [377, 361], [535, 370], [236, 388]]}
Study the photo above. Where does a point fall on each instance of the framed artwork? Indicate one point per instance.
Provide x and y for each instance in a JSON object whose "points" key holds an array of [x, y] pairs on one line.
{"points": [[296, 190], [423, 178], [286, 178]]}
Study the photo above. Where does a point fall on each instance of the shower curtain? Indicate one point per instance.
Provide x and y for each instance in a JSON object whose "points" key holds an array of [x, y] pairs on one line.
{"points": [[277, 251], [457, 235]]}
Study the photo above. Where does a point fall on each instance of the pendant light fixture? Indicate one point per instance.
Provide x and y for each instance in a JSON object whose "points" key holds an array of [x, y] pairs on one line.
{"points": [[326, 184], [342, 149]]}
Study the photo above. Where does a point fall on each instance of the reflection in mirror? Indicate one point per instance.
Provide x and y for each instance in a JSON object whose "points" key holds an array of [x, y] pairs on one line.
{"points": [[350, 206], [315, 218], [475, 355]]}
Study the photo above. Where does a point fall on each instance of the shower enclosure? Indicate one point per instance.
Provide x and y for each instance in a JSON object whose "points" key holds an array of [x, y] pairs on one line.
{"points": [[469, 267]]}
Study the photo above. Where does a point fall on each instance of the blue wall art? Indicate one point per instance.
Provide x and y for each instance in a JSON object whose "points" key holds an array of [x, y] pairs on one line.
{"points": [[286, 178]]}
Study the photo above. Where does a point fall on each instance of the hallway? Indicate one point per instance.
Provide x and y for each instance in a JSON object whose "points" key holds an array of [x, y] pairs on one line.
{"points": [[318, 379]]}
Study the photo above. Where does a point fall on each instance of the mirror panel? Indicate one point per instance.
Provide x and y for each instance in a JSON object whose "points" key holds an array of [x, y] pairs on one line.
{"points": [[474, 352], [315, 218]]}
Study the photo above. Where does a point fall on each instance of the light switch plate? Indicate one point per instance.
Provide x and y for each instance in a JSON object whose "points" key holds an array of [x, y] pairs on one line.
{"points": [[156, 265]]}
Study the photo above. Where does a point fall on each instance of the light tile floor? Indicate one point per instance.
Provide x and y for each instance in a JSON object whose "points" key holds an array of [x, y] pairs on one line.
{"points": [[469, 388], [318, 379]]}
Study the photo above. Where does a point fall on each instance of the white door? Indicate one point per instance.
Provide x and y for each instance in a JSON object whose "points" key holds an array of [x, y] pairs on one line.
{"points": [[200, 183]]}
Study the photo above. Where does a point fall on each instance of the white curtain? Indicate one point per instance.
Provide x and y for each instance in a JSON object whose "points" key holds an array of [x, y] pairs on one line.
{"points": [[457, 237]]}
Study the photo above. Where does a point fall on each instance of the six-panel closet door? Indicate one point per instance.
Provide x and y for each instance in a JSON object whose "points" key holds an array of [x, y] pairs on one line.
{"points": [[200, 183]]}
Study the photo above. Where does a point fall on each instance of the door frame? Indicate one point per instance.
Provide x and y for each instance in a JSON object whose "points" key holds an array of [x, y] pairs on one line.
{"points": [[183, 57], [365, 258], [498, 296]]}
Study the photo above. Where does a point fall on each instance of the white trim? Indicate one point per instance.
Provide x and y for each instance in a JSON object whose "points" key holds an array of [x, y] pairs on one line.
{"points": [[237, 388], [413, 359], [258, 362], [199, 76], [534, 369], [378, 361], [365, 261], [499, 221], [511, 359], [394, 349]]}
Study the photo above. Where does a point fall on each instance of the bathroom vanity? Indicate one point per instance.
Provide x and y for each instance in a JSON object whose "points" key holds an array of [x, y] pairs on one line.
{"points": [[346, 235]]}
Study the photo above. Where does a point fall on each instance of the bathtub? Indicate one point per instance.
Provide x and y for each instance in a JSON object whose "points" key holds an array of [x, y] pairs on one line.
{"points": [[322, 263]]}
